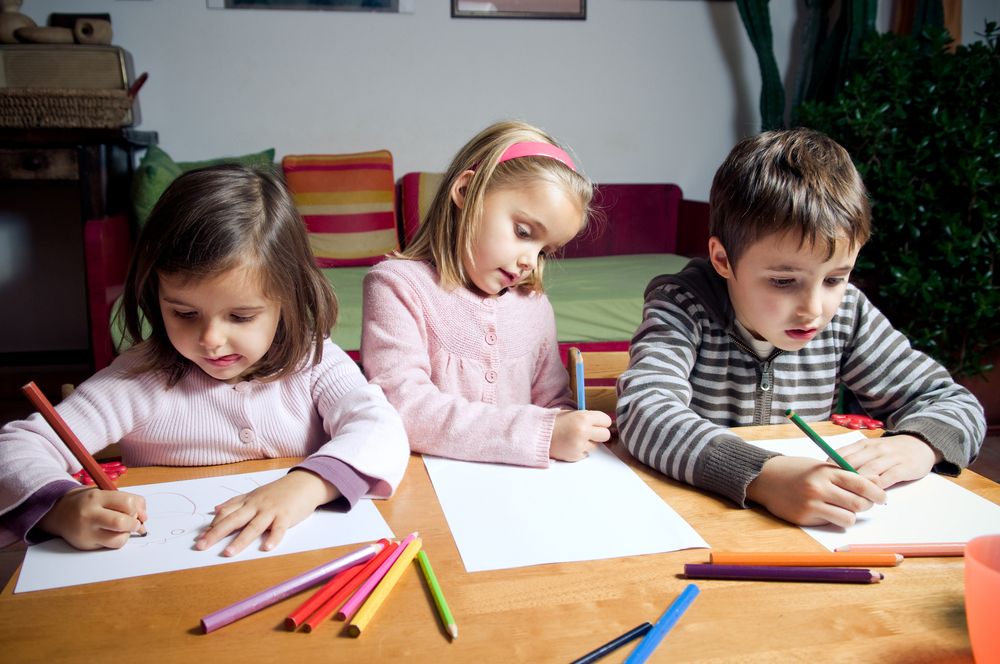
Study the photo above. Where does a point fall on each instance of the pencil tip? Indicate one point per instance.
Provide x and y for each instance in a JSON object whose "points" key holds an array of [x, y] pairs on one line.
{"points": [[453, 630]]}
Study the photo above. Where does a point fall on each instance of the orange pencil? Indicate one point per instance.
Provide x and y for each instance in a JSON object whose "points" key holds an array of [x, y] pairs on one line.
{"points": [[332, 604], [298, 616], [909, 550], [806, 559]]}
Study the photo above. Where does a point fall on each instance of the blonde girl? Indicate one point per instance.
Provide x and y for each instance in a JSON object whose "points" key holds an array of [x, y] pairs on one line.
{"points": [[229, 318], [458, 331]]}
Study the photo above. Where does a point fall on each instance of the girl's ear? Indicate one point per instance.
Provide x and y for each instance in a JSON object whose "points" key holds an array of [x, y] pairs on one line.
{"points": [[720, 261], [459, 187]]}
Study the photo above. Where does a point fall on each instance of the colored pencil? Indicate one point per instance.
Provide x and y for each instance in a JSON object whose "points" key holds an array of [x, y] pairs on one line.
{"points": [[62, 430], [307, 608], [385, 586], [69, 438], [282, 590], [581, 393], [806, 559], [332, 604], [369, 585], [442, 605], [908, 550], [663, 625], [816, 438], [776, 573], [611, 646]]}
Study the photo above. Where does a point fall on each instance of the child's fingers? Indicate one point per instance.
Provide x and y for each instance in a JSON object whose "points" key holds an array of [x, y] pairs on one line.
{"points": [[250, 532], [860, 493], [221, 527]]}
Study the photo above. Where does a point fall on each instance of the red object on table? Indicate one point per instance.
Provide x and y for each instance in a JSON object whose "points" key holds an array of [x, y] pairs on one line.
{"points": [[113, 469], [856, 421]]}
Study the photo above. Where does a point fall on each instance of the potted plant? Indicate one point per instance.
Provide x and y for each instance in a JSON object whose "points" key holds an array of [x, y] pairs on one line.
{"points": [[922, 125]]}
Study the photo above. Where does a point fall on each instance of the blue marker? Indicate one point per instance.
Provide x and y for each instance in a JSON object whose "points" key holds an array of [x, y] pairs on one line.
{"points": [[663, 625], [581, 396]]}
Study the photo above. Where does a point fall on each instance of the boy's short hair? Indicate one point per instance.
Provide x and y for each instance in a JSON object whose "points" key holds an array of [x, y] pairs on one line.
{"points": [[788, 181]]}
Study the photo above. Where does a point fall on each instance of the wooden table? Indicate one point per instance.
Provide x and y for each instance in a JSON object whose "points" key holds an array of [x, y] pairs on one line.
{"points": [[546, 613]]}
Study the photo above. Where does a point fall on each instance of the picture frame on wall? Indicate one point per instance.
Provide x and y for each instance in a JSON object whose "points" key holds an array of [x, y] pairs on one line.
{"points": [[390, 6], [551, 9]]}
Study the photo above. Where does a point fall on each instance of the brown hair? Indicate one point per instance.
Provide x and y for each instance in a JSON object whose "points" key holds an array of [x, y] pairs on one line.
{"points": [[448, 233], [789, 181], [210, 221]]}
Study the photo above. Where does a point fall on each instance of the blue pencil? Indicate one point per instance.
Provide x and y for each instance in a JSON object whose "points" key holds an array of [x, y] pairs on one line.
{"points": [[663, 625], [581, 396]]}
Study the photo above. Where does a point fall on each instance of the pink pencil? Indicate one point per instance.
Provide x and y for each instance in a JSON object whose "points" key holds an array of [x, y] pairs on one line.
{"points": [[908, 550], [306, 609], [369, 585]]}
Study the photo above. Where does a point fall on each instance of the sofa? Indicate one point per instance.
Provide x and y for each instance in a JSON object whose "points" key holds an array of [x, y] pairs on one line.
{"points": [[596, 285]]}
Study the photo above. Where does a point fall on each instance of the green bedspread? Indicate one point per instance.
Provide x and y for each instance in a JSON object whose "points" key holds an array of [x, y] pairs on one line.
{"points": [[595, 299]]}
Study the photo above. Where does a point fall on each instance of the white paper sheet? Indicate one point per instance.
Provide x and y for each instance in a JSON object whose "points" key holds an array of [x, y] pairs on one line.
{"points": [[177, 513], [510, 516], [930, 510]]}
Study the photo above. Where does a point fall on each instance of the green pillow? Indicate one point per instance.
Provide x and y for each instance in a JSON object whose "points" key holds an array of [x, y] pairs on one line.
{"points": [[157, 170]]}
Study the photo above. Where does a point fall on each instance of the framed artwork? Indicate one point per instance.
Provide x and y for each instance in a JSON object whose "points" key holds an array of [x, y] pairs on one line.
{"points": [[563, 9], [334, 5]]}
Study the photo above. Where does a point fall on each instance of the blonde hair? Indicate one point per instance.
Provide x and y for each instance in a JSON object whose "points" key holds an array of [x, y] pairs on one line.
{"points": [[789, 181], [448, 233]]}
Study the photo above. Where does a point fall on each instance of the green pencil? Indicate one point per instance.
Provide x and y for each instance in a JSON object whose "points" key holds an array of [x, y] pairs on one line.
{"points": [[815, 437], [449, 622]]}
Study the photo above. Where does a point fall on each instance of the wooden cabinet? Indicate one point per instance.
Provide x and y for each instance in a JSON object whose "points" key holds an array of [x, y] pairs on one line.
{"points": [[51, 182]]}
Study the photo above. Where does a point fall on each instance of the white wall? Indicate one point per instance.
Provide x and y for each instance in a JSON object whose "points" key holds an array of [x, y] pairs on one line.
{"points": [[642, 90]]}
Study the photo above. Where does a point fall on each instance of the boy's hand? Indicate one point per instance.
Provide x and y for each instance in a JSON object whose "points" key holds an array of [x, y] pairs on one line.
{"points": [[577, 432], [807, 492], [891, 459], [93, 519], [276, 507]]}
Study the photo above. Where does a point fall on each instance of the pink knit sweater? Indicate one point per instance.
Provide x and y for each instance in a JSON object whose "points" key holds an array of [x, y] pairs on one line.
{"points": [[326, 410], [473, 377]]}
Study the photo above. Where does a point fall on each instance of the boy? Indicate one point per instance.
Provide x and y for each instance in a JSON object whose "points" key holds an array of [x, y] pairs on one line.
{"points": [[769, 323]]}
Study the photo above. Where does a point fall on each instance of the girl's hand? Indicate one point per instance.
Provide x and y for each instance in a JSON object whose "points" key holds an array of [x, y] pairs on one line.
{"points": [[276, 507], [807, 492], [93, 519], [891, 459], [577, 432]]}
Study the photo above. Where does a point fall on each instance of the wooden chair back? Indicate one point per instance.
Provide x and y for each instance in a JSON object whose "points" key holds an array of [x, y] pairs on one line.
{"points": [[601, 365]]}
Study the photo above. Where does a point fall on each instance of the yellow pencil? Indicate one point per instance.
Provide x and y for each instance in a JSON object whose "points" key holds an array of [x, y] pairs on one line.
{"points": [[368, 609]]}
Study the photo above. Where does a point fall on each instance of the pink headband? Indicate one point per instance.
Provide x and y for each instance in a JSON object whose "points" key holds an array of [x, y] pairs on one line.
{"points": [[536, 150]]}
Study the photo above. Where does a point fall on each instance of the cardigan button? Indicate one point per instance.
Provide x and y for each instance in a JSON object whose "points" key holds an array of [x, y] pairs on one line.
{"points": [[491, 338], [489, 303], [243, 386], [491, 376], [246, 435]]}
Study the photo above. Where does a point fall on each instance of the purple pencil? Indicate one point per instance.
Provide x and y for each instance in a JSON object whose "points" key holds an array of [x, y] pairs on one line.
{"points": [[776, 573], [279, 592]]}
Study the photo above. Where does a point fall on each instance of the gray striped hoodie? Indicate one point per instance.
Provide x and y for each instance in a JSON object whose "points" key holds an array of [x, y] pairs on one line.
{"points": [[691, 376]]}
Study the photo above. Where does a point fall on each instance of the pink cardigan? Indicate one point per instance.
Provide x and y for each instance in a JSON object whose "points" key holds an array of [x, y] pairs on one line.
{"points": [[473, 378], [327, 411]]}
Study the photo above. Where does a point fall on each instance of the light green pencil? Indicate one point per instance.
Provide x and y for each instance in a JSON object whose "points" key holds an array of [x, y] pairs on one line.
{"points": [[449, 622], [815, 437]]}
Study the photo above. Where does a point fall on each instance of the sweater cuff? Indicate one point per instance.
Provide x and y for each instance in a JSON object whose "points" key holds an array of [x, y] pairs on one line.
{"points": [[731, 464], [941, 437], [22, 519], [351, 484]]}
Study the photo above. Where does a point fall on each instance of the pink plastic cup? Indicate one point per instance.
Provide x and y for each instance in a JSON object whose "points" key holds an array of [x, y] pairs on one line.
{"points": [[982, 597]]}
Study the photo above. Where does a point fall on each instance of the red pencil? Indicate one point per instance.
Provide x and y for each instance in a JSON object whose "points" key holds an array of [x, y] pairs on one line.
{"points": [[332, 604], [298, 616], [62, 430]]}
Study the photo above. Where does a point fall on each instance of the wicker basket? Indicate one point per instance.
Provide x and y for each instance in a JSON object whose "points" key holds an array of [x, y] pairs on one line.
{"points": [[27, 108]]}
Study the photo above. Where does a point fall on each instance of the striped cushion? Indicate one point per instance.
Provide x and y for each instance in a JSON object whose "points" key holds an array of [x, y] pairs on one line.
{"points": [[348, 204], [416, 191]]}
